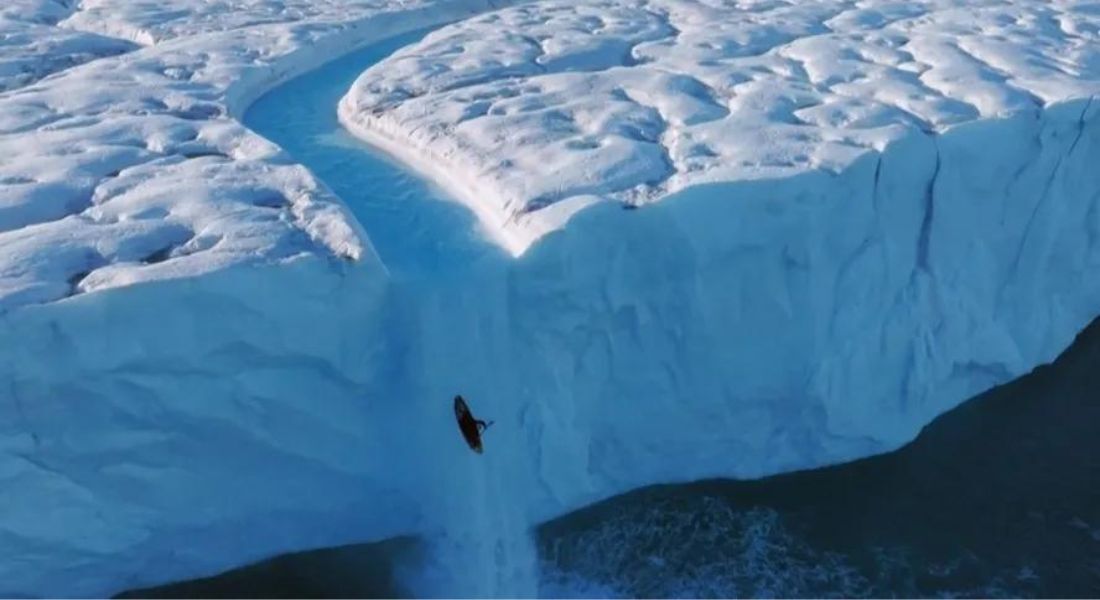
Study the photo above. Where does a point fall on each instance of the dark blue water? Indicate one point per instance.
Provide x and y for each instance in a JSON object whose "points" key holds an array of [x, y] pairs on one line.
{"points": [[415, 227]]}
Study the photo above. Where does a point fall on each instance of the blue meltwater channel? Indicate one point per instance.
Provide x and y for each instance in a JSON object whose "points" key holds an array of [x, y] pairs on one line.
{"points": [[474, 543], [414, 227]]}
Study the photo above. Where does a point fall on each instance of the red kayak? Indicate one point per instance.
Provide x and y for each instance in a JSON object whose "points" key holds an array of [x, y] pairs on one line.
{"points": [[470, 427]]}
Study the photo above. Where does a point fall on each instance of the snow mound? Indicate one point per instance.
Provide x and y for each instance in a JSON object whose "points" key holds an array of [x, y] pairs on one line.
{"points": [[552, 102], [99, 151], [151, 23], [32, 46]]}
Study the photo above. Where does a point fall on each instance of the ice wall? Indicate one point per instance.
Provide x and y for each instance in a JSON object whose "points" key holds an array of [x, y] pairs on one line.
{"points": [[175, 428], [190, 359], [749, 328], [178, 428], [750, 237], [736, 328]]}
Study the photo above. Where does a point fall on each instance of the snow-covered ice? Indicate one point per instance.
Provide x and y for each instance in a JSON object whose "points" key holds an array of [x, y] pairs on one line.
{"points": [[850, 216], [32, 45], [551, 102], [108, 142]]}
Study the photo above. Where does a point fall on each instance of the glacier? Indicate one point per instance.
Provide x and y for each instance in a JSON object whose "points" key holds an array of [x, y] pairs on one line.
{"points": [[532, 113], [739, 240]]}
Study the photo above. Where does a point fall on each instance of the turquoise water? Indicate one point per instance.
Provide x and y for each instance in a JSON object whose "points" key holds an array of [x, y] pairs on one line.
{"points": [[414, 227]]}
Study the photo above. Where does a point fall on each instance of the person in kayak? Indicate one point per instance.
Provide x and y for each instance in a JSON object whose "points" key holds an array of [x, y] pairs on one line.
{"points": [[470, 426]]}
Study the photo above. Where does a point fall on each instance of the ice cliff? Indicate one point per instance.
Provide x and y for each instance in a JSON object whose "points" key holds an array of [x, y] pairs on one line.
{"points": [[846, 218]]}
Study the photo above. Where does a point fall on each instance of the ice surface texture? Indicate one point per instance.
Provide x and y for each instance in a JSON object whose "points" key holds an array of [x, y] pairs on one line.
{"points": [[854, 216], [32, 45], [91, 193], [557, 102]]}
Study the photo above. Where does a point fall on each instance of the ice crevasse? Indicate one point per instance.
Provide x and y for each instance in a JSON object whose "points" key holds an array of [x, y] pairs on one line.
{"points": [[850, 218]]}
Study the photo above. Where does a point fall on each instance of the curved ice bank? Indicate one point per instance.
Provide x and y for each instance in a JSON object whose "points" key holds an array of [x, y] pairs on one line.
{"points": [[532, 113], [133, 168], [177, 427]]}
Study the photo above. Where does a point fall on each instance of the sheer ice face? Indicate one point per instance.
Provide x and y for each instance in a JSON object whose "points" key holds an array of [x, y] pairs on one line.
{"points": [[852, 217]]}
